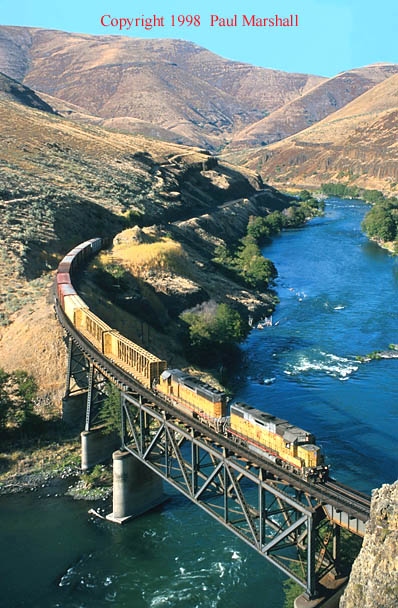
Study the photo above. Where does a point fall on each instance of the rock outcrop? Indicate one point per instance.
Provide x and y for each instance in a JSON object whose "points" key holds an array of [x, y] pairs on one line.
{"points": [[374, 578]]}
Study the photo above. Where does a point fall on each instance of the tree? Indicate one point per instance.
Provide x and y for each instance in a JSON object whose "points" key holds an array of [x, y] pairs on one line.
{"points": [[110, 415], [379, 224], [295, 216], [222, 255], [25, 391], [305, 195], [211, 324], [4, 398], [373, 196], [229, 327], [274, 222], [256, 270], [258, 228], [18, 392]]}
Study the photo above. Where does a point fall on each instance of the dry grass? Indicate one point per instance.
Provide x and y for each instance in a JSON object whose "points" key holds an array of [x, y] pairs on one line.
{"points": [[164, 254], [33, 342], [38, 456]]}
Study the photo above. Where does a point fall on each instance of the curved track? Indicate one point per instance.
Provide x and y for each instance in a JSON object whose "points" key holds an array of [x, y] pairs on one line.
{"points": [[332, 492]]}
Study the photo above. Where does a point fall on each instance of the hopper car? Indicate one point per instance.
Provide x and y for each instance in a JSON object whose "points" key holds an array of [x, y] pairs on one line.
{"points": [[269, 437]]}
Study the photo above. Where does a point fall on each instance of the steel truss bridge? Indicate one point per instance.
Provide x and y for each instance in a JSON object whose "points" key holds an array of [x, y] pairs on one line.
{"points": [[293, 523]]}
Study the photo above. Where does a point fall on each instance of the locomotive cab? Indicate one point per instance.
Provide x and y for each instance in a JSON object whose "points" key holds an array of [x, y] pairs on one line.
{"points": [[192, 394]]}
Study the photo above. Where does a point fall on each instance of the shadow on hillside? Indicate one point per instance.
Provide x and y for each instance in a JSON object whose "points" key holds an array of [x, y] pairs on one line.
{"points": [[74, 221]]}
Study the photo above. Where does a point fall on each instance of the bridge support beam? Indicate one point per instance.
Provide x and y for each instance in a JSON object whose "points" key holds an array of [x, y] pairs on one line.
{"points": [[136, 489], [97, 447]]}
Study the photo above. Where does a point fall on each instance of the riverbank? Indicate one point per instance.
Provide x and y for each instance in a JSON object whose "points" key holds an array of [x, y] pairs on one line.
{"points": [[29, 464], [390, 246], [36, 464]]}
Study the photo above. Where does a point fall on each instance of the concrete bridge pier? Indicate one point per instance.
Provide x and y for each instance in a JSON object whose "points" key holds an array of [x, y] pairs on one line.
{"points": [[136, 488], [331, 590], [74, 409], [97, 447]]}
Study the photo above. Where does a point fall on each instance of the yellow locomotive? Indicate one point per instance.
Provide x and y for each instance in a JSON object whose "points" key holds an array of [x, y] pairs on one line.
{"points": [[192, 395], [277, 440]]}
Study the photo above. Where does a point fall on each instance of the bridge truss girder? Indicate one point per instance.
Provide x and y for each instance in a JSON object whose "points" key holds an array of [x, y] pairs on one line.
{"points": [[283, 524], [83, 376]]}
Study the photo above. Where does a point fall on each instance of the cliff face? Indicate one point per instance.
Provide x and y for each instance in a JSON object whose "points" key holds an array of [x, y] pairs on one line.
{"points": [[374, 578]]}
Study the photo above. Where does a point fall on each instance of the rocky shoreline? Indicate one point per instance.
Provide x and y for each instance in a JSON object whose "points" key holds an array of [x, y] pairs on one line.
{"points": [[33, 481], [53, 469], [392, 353], [373, 581], [52, 483]]}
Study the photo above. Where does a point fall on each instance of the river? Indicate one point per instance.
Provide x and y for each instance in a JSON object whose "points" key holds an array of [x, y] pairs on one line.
{"points": [[337, 299]]}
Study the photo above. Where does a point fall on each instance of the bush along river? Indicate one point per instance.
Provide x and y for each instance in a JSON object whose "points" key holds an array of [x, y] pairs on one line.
{"points": [[338, 300]]}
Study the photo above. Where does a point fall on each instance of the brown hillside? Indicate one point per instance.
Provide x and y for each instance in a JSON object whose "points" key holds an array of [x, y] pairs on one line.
{"points": [[174, 84], [313, 106], [61, 183], [121, 125], [11, 90], [358, 143]]}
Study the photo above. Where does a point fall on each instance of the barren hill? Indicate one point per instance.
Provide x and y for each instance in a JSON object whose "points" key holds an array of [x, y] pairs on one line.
{"points": [[321, 101], [173, 84], [11, 90], [62, 182], [357, 144]]}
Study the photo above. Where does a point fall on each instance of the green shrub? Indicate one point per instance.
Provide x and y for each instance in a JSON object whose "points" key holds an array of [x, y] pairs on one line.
{"points": [[379, 223], [214, 325], [18, 392], [256, 270]]}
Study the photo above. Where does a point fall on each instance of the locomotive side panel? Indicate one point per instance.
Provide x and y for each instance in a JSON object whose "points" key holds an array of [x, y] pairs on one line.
{"points": [[195, 394], [199, 402], [262, 436]]}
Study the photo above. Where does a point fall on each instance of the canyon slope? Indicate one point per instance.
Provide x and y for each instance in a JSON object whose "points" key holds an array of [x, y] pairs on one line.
{"points": [[314, 105], [356, 145], [62, 182], [141, 84]]}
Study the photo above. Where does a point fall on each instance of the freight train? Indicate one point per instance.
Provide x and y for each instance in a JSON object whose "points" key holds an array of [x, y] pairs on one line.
{"points": [[267, 436]]}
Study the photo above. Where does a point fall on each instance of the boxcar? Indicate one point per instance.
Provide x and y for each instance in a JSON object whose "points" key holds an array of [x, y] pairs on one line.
{"points": [[142, 364]]}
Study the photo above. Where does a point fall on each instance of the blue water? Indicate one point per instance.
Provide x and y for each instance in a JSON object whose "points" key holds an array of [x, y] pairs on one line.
{"points": [[337, 299]]}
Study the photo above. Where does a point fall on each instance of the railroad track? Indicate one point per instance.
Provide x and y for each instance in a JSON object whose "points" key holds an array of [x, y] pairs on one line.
{"points": [[351, 494], [332, 492]]}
